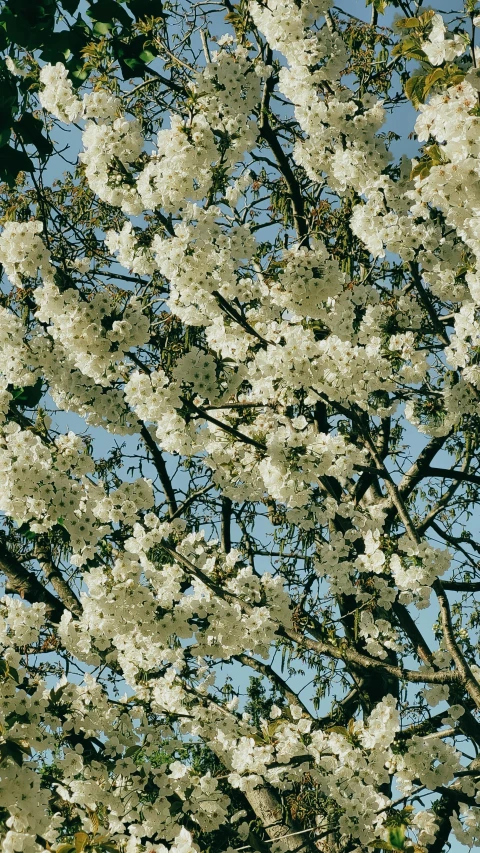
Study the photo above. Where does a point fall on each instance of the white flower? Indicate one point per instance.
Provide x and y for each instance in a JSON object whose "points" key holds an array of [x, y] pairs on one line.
{"points": [[57, 95], [439, 49], [14, 68]]}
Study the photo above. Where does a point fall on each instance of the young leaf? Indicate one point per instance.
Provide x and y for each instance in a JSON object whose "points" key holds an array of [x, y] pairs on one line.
{"points": [[431, 79], [415, 88], [81, 841]]}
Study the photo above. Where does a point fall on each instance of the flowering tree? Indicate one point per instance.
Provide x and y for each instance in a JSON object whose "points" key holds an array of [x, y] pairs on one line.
{"points": [[240, 425]]}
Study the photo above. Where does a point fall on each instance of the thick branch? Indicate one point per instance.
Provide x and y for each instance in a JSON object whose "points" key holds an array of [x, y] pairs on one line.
{"points": [[226, 525], [268, 809], [413, 633], [54, 576], [270, 136], [23, 582], [470, 683], [348, 655], [159, 463], [462, 586], [223, 426], [445, 809], [341, 652], [452, 474], [416, 472], [235, 315], [426, 302]]}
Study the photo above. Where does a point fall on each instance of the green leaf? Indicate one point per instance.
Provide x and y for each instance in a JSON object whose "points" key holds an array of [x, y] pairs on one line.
{"points": [[3, 36], [12, 162], [145, 8], [426, 17], [396, 835], [411, 48], [68, 44], [435, 154], [30, 130], [5, 134], [453, 75], [432, 78], [29, 24], [8, 103], [59, 47], [29, 395], [102, 28], [420, 22], [456, 79], [129, 55], [404, 46], [107, 11], [70, 6], [421, 170], [147, 55], [77, 72], [414, 89], [339, 730], [17, 30]]}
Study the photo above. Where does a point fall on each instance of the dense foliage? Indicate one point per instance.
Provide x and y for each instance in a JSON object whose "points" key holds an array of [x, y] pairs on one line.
{"points": [[239, 426]]}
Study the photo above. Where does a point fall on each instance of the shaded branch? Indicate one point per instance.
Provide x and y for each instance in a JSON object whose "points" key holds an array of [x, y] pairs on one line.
{"points": [[427, 304], [235, 315], [226, 525], [223, 426]]}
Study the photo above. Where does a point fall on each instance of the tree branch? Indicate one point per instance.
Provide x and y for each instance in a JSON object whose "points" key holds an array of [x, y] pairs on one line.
{"points": [[161, 467], [270, 137], [54, 576], [226, 525], [26, 585], [452, 474], [468, 679]]}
